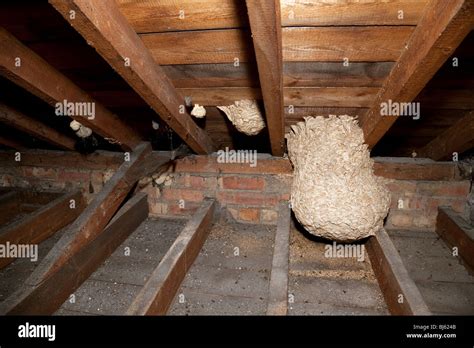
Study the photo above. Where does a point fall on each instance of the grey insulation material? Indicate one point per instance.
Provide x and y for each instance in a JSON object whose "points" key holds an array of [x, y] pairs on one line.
{"points": [[335, 193]]}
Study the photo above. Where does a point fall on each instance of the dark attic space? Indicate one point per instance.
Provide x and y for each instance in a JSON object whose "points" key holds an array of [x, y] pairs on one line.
{"points": [[203, 158]]}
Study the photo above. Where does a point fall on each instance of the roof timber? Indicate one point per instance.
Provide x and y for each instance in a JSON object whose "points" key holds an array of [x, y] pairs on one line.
{"points": [[41, 79], [35, 128], [441, 29], [457, 138], [104, 27], [265, 23]]}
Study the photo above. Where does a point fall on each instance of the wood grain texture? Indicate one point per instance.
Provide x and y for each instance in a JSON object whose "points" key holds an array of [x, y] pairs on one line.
{"points": [[35, 128], [160, 16], [168, 15], [342, 12], [442, 28], [457, 138], [41, 79], [368, 44], [400, 291], [102, 24], [159, 291], [46, 297], [265, 25], [278, 290], [296, 96]]}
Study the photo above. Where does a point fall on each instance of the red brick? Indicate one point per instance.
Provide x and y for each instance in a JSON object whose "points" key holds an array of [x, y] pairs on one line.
{"points": [[40, 173], [401, 186], [444, 188], [269, 216], [242, 183], [184, 194], [189, 208], [400, 219], [248, 198], [202, 183], [249, 214], [67, 175]]}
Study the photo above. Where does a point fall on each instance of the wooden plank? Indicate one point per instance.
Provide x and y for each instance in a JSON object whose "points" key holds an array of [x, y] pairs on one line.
{"points": [[43, 223], [342, 12], [457, 138], [160, 289], [265, 25], [12, 143], [278, 291], [41, 79], [400, 291], [150, 16], [299, 44], [295, 74], [96, 215], [35, 128], [159, 16], [102, 24], [296, 114], [335, 74], [443, 27], [452, 98], [46, 297], [456, 232], [296, 96]]}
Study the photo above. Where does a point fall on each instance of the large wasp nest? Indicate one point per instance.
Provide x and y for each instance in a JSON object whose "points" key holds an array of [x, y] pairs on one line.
{"points": [[245, 116], [335, 193]]}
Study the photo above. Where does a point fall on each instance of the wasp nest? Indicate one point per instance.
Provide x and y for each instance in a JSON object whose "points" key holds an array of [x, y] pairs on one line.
{"points": [[245, 116], [198, 111], [335, 193]]}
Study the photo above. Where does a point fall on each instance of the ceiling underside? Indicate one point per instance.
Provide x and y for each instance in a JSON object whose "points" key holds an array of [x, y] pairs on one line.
{"points": [[205, 48]]}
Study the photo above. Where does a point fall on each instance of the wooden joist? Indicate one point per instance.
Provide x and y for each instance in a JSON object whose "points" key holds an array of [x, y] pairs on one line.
{"points": [[160, 289], [12, 143], [400, 291], [43, 223], [457, 138], [458, 233], [47, 296], [9, 204], [278, 291], [103, 25], [96, 215], [41, 79], [265, 24], [34, 127], [441, 29]]}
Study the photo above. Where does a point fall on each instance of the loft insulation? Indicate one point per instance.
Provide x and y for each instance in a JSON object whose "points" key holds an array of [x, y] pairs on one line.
{"points": [[245, 116], [335, 194]]}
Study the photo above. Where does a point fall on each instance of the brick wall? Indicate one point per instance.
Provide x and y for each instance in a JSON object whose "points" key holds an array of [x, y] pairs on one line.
{"points": [[249, 194]]}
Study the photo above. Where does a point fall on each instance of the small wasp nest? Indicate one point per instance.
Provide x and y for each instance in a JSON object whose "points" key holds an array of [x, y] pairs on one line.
{"points": [[245, 116], [198, 111], [335, 193], [81, 131]]}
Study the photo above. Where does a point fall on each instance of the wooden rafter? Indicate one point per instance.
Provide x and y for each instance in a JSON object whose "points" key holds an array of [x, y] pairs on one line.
{"points": [[457, 138], [160, 289], [34, 127], [32, 229], [103, 25], [12, 143], [441, 29], [47, 296], [265, 23], [41, 79]]}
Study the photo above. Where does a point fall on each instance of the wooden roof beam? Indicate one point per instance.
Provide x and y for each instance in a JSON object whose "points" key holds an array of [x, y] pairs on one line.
{"points": [[25, 68], [441, 29], [265, 23], [457, 138], [103, 26], [35, 128]]}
